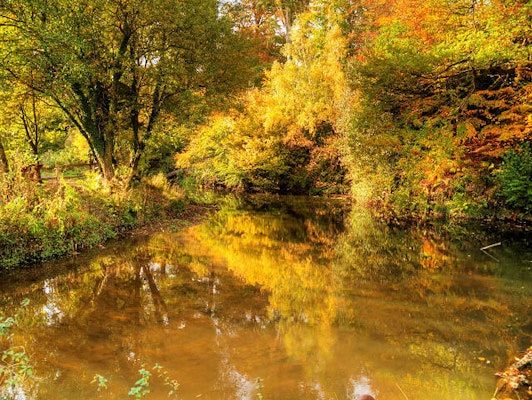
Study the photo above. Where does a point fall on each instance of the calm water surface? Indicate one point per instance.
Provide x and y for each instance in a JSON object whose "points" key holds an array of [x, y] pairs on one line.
{"points": [[315, 300]]}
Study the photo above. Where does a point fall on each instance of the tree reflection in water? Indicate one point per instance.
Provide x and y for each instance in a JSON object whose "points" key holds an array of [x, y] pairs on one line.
{"points": [[285, 290]]}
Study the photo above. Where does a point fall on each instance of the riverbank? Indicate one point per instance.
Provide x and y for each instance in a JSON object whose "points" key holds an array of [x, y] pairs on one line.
{"points": [[193, 214], [45, 221]]}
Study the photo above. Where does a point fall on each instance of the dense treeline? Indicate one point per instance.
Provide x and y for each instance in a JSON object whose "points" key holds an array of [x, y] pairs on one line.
{"points": [[417, 109], [424, 110], [444, 114]]}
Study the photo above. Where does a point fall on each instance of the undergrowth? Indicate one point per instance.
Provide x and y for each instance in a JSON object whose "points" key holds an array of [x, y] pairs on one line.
{"points": [[39, 221]]}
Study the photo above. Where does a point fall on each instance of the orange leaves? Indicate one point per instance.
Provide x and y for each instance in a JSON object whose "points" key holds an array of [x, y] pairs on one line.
{"points": [[424, 20], [496, 120]]}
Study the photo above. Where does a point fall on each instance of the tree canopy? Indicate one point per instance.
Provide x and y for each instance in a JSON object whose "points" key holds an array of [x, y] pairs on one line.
{"points": [[115, 66], [419, 109], [444, 93]]}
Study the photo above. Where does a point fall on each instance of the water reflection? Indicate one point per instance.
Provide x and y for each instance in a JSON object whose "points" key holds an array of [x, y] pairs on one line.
{"points": [[318, 305]]}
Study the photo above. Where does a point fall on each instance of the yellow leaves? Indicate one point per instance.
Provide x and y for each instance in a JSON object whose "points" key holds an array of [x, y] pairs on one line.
{"points": [[297, 108], [425, 21], [306, 89]]}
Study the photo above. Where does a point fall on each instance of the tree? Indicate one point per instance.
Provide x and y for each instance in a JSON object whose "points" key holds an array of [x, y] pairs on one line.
{"points": [[258, 15], [284, 136], [442, 93], [256, 19], [112, 66], [30, 126], [287, 12]]}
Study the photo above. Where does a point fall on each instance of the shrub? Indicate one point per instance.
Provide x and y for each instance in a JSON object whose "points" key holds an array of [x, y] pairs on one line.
{"points": [[515, 178], [59, 217]]}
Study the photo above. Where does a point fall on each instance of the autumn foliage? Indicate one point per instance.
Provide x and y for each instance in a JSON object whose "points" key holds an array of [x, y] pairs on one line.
{"points": [[415, 104], [419, 110], [445, 94]]}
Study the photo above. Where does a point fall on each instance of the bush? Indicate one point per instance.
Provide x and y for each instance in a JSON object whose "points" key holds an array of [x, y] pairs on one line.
{"points": [[56, 218], [515, 178]]}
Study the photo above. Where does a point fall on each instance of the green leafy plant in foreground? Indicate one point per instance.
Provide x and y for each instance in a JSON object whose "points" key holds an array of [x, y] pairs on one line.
{"points": [[101, 381], [171, 383], [15, 365], [141, 387]]}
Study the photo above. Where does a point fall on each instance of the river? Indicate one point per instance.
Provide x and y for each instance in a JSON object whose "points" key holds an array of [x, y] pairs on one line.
{"points": [[277, 298]]}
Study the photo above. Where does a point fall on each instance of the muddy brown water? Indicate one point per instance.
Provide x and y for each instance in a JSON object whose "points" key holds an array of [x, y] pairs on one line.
{"points": [[278, 298]]}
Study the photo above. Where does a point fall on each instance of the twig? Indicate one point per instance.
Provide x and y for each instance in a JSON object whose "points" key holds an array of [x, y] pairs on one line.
{"points": [[483, 249], [491, 245], [490, 256], [404, 394]]}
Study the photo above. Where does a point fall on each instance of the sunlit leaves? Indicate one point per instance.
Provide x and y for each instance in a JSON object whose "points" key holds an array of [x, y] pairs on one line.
{"points": [[112, 66], [283, 137], [101, 381], [141, 388], [443, 91], [29, 125]]}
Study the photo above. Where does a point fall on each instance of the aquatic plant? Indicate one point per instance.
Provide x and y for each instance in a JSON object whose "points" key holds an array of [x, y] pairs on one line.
{"points": [[259, 385], [142, 386]]}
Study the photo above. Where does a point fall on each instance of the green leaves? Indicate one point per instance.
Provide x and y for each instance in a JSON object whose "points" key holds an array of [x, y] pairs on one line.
{"points": [[15, 366], [5, 325], [515, 178], [141, 387], [101, 381], [112, 67]]}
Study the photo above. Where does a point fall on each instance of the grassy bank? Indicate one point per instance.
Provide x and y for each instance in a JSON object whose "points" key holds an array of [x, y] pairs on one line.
{"points": [[58, 217]]}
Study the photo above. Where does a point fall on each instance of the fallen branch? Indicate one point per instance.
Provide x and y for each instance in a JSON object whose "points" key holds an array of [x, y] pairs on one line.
{"points": [[490, 246]]}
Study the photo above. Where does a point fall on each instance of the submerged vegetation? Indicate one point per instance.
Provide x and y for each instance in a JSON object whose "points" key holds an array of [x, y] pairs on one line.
{"points": [[15, 366]]}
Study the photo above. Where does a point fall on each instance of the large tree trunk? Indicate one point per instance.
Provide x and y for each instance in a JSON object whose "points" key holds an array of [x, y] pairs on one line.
{"points": [[103, 150], [139, 144], [96, 125], [107, 166]]}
